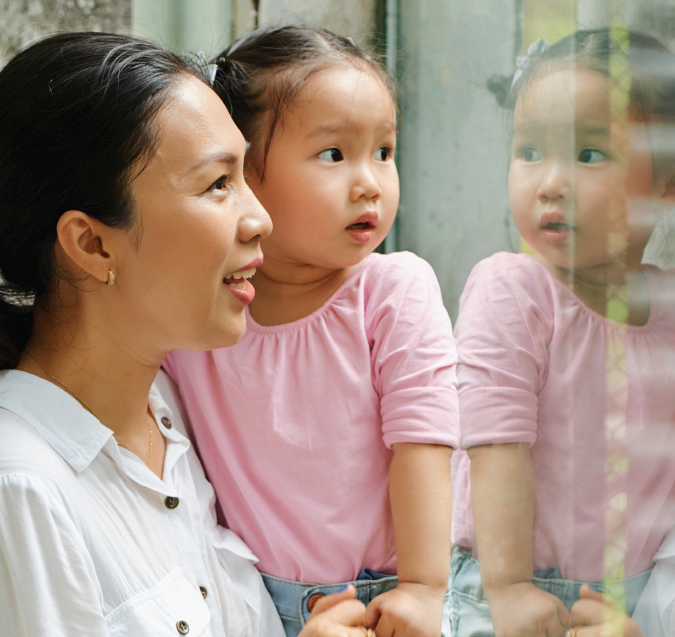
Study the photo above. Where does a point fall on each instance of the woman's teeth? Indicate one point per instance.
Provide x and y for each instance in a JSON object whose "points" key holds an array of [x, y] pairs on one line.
{"points": [[237, 280]]}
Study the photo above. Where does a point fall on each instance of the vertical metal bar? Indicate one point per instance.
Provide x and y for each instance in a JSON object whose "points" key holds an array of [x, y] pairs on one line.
{"points": [[391, 59]]}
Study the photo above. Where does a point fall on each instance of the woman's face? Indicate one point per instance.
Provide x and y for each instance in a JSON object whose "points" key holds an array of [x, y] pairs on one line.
{"points": [[197, 223]]}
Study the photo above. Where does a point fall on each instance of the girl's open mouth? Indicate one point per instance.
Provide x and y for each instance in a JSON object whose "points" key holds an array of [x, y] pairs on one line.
{"points": [[363, 228], [555, 228]]}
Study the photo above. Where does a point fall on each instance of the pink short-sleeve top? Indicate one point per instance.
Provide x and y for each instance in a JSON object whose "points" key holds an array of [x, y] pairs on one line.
{"points": [[295, 423], [533, 368]]}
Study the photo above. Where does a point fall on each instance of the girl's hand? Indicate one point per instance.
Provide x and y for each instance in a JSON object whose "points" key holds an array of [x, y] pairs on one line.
{"points": [[410, 610], [522, 610], [594, 614], [336, 615]]}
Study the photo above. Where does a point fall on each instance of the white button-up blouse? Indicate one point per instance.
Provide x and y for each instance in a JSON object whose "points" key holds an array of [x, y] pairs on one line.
{"points": [[93, 543]]}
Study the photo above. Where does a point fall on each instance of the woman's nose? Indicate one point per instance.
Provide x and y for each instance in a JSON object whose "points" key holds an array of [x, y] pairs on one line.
{"points": [[556, 182], [255, 222]]}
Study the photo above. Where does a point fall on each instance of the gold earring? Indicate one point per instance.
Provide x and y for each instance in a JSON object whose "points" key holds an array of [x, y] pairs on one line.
{"points": [[111, 278]]}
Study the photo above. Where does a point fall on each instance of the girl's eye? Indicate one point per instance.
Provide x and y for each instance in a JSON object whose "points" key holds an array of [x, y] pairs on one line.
{"points": [[590, 156], [331, 154], [383, 154], [220, 183], [530, 154]]}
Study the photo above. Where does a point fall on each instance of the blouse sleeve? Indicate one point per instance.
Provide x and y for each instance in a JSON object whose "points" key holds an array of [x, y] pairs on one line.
{"points": [[413, 353], [502, 331], [47, 582]]}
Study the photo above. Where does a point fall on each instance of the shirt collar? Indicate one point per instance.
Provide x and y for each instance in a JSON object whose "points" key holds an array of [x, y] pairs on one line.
{"points": [[72, 431]]}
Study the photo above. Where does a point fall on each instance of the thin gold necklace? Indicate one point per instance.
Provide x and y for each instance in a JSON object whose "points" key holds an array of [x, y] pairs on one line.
{"points": [[85, 404]]}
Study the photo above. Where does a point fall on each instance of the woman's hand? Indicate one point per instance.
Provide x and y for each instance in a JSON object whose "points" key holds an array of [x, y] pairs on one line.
{"points": [[336, 615], [595, 617]]}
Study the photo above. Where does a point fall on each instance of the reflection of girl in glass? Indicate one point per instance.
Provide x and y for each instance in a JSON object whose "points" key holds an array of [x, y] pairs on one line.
{"points": [[567, 355]]}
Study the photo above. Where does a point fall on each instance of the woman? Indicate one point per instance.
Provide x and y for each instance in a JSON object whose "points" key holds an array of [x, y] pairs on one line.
{"points": [[124, 222]]}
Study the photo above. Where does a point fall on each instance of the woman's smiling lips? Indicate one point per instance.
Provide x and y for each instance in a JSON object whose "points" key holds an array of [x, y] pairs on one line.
{"points": [[237, 282], [363, 228], [555, 228]]}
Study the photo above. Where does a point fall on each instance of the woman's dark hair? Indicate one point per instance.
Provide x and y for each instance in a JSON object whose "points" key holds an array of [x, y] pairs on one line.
{"points": [[261, 75], [77, 114], [640, 62]]}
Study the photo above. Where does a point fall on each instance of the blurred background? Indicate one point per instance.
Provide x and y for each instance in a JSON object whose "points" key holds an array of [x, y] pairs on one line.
{"points": [[453, 145]]}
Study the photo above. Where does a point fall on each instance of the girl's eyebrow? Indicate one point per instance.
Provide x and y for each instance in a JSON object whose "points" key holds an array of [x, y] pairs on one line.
{"points": [[325, 129], [336, 127], [594, 130]]}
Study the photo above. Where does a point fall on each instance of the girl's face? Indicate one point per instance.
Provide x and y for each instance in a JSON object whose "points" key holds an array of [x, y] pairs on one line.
{"points": [[573, 170], [197, 223], [331, 185]]}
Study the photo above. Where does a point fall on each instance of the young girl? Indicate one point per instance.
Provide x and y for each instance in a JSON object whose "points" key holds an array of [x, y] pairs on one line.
{"points": [[327, 432], [566, 357]]}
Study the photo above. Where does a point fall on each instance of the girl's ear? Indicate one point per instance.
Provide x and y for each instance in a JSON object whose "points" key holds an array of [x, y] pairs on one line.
{"points": [[81, 238]]}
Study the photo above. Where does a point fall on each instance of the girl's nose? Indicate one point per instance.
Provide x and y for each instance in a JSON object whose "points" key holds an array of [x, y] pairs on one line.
{"points": [[255, 223], [365, 185], [556, 183]]}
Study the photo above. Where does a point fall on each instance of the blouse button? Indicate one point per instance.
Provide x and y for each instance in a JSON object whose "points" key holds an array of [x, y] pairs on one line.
{"points": [[313, 600], [204, 591], [166, 422], [183, 627], [171, 503]]}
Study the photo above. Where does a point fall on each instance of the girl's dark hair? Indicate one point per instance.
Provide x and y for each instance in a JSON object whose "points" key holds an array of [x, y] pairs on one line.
{"points": [[77, 113], [648, 64], [261, 75]]}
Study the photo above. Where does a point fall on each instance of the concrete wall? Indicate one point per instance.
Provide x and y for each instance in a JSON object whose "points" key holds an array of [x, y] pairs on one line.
{"points": [[346, 17], [453, 145], [24, 21]]}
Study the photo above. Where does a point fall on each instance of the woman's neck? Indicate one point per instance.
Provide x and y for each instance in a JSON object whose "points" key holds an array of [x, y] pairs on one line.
{"points": [[287, 292], [110, 377]]}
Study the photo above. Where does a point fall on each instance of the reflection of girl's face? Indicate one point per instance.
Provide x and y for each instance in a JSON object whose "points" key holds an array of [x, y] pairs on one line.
{"points": [[571, 170], [197, 223]]}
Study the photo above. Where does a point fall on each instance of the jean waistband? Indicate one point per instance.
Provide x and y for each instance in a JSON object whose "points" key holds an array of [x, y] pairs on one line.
{"points": [[466, 579], [295, 600]]}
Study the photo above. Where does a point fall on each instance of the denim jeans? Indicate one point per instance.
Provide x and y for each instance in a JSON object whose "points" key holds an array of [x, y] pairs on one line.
{"points": [[470, 614], [292, 598]]}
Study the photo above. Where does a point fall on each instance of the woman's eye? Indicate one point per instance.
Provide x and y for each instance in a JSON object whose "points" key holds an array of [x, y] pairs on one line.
{"points": [[220, 183], [331, 154], [383, 153], [591, 156], [529, 154]]}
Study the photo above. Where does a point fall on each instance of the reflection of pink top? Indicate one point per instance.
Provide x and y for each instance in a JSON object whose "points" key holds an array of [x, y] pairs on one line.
{"points": [[294, 424], [532, 369]]}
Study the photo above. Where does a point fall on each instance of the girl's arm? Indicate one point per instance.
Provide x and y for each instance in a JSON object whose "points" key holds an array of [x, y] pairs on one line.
{"points": [[421, 502], [502, 498]]}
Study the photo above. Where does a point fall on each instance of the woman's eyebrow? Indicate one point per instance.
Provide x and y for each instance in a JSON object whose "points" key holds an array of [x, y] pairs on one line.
{"points": [[219, 157]]}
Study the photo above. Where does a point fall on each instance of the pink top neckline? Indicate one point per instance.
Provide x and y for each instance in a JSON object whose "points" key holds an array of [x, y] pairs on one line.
{"points": [[292, 325]]}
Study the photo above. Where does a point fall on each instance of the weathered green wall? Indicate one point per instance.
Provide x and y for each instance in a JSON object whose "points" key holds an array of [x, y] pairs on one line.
{"points": [[23, 21]]}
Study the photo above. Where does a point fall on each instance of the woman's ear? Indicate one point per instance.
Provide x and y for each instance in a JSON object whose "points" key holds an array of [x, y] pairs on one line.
{"points": [[81, 238]]}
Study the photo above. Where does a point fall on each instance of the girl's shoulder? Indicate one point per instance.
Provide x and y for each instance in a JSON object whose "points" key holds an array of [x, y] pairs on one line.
{"points": [[507, 275], [397, 270]]}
